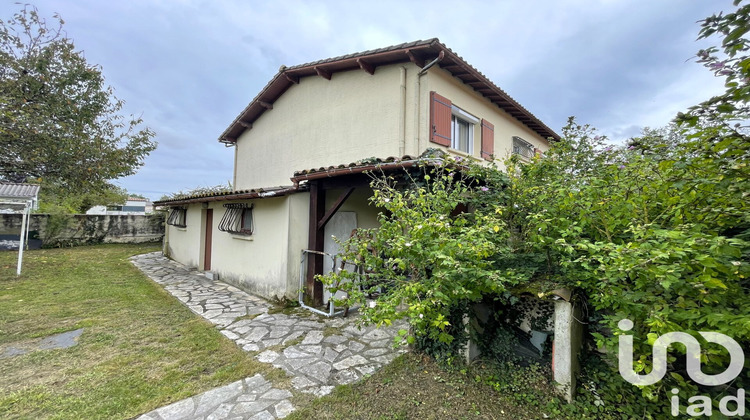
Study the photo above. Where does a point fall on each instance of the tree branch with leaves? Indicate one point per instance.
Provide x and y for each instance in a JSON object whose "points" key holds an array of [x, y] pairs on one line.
{"points": [[60, 124]]}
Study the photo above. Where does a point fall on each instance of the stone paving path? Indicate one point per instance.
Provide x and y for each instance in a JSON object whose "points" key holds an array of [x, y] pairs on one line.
{"points": [[318, 353]]}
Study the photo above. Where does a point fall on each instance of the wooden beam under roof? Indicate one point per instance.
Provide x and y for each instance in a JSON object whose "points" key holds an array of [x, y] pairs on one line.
{"points": [[323, 72], [293, 79], [364, 65], [414, 59]]}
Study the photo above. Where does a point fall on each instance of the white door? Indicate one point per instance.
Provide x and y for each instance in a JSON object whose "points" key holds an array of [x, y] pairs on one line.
{"points": [[340, 226]]}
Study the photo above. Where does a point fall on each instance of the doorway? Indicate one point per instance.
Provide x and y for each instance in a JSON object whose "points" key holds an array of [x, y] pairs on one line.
{"points": [[207, 245]]}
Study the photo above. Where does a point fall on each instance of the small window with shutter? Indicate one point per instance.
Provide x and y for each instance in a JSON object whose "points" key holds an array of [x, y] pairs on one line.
{"points": [[522, 148], [177, 217], [237, 219]]}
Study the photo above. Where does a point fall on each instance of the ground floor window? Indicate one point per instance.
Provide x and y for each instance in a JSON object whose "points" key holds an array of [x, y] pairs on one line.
{"points": [[177, 217], [238, 219]]}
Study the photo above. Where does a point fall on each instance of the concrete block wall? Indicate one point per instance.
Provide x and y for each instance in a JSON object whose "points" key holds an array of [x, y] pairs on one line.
{"points": [[82, 229]]}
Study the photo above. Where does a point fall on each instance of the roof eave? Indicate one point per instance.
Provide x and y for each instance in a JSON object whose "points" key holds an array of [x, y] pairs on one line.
{"points": [[235, 195], [417, 52]]}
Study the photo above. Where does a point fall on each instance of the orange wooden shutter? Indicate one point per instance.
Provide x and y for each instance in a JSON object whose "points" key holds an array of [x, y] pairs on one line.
{"points": [[488, 139], [440, 120]]}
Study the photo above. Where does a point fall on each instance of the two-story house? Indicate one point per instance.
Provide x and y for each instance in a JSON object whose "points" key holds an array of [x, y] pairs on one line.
{"points": [[301, 147]]}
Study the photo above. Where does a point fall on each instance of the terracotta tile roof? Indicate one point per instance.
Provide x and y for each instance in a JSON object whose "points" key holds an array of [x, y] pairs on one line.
{"points": [[360, 163], [18, 191], [228, 195], [429, 156], [360, 166], [419, 52], [395, 58]]}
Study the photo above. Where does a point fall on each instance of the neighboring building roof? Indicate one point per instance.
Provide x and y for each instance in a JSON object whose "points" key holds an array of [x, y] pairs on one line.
{"points": [[18, 191], [418, 52]]}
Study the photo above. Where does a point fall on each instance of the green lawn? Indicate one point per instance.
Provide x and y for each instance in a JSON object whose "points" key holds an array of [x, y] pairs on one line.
{"points": [[415, 387], [140, 349]]}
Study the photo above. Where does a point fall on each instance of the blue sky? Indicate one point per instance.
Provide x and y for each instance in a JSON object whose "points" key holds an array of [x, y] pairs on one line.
{"points": [[188, 67]]}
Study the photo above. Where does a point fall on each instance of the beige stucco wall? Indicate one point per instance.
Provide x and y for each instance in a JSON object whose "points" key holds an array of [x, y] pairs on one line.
{"points": [[255, 263], [319, 122], [358, 202], [268, 262], [356, 115], [184, 244], [464, 97], [299, 214]]}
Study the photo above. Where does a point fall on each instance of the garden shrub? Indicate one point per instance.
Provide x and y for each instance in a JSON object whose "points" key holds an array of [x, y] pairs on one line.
{"points": [[655, 231]]}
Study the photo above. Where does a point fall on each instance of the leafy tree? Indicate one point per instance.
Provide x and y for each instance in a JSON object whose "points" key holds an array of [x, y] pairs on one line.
{"points": [[59, 123]]}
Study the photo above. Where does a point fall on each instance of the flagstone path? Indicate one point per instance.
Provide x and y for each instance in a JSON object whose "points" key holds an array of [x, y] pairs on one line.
{"points": [[318, 353]]}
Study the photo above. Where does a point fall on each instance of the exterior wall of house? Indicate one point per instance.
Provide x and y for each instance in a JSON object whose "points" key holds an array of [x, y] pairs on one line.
{"points": [[464, 97], [299, 215], [184, 244], [256, 263], [322, 122], [356, 115], [367, 215], [267, 263]]}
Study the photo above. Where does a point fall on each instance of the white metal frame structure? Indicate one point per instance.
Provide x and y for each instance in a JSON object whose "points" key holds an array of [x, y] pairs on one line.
{"points": [[27, 197]]}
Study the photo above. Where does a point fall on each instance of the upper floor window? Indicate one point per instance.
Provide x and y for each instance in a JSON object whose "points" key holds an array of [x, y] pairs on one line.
{"points": [[238, 219], [462, 130], [451, 126], [177, 217], [522, 148]]}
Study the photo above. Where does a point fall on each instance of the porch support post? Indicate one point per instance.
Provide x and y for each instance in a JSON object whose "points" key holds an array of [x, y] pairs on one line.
{"points": [[315, 242], [567, 345], [336, 206]]}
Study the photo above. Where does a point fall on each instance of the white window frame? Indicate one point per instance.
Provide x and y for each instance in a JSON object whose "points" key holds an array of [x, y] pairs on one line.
{"points": [[459, 114]]}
